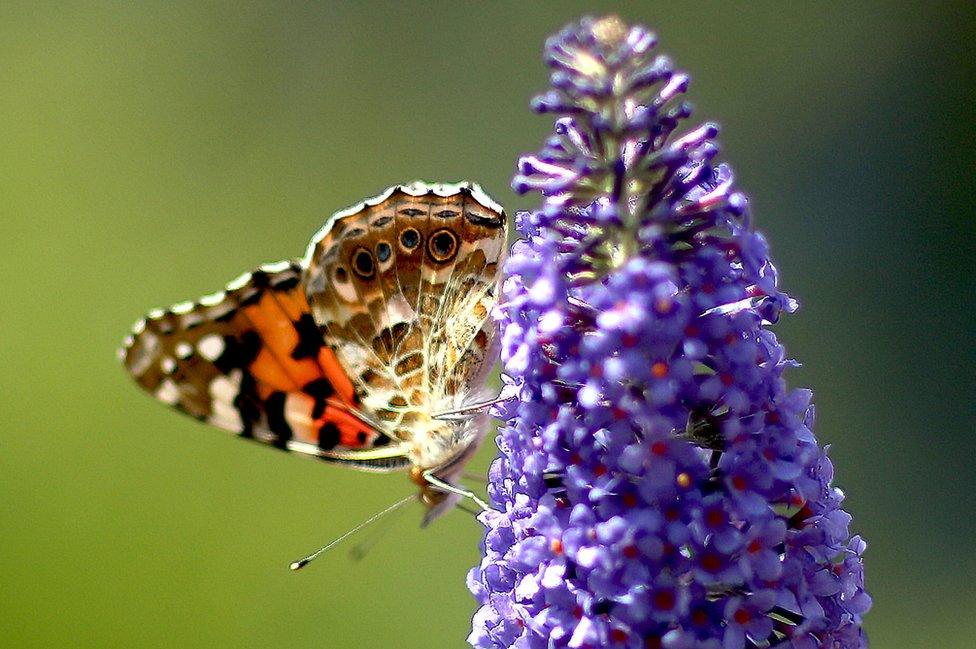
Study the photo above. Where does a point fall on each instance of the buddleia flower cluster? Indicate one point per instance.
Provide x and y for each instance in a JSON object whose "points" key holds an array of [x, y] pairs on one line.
{"points": [[658, 484]]}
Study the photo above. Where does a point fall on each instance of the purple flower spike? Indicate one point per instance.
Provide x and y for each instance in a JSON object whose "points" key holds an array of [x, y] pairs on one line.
{"points": [[658, 484]]}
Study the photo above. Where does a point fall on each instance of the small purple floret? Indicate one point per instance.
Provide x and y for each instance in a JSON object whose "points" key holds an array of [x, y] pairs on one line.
{"points": [[658, 483]]}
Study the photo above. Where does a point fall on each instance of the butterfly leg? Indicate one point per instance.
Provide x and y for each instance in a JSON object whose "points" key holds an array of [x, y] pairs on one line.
{"points": [[434, 481], [466, 411]]}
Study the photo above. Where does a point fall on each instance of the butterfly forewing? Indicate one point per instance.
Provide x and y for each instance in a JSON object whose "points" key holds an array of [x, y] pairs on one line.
{"points": [[251, 360]]}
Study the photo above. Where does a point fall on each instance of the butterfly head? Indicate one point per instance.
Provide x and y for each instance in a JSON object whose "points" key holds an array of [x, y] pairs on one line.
{"points": [[435, 500], [440, 488]]}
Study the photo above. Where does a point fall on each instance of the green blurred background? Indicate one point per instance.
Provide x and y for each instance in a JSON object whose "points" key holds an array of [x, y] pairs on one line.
{"points": [[151, 152]]}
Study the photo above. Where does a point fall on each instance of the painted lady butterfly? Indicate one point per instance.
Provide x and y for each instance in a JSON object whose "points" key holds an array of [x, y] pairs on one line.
{"points": [[370, 352]]}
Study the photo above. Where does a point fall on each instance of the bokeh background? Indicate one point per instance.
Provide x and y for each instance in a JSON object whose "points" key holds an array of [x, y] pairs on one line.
{"points": [[149, 152]]}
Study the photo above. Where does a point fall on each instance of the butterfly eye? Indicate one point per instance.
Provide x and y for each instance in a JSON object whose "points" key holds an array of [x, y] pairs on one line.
{"points": [[442, 245], [383, 251], [409, 238], [362, 264]]}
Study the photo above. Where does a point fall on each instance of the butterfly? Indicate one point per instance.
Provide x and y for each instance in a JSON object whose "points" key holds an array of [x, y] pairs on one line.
{"points": [[372, 351]]}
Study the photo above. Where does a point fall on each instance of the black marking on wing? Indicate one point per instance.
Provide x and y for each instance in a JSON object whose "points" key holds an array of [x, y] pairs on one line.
{"points": [[259, 279], [286, 282], [248, 404], [274, 407], [321, 389], [328, 437], [224, 317], [494, 221], [309, 338], [239, 352]]}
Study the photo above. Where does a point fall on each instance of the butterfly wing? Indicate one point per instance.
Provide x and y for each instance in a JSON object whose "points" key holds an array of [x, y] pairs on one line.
{"points": [[402, 286], [251, 360]]}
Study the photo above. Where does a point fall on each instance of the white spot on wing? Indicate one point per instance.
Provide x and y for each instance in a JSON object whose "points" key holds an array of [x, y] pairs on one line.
{"points": [[239, 282], [298, 414], [417, 188], [399, 310], [223, 390], [211, 347], [213, 299], [168, 392], [225, 416], [142, 357], [168, 364], [346, 291], [183, 350], [302, 447], [276, 267], [479, 194]]}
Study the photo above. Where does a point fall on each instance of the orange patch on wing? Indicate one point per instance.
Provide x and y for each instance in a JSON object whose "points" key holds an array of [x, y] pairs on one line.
{"points": [[268, 370], [353, 432], [294, 305], [336, 375], [280, 337]]}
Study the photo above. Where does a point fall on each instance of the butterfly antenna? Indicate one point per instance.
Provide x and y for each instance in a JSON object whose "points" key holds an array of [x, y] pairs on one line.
{"points": [[301, 563], [359, 551]]}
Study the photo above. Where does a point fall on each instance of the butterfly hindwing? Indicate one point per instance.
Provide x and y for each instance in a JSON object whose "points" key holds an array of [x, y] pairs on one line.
{"points": [[252, 360], [402, 286]]}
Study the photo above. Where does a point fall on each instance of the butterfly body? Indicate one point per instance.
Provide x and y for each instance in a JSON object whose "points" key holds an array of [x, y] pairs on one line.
{"points": [[350, 353]]}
